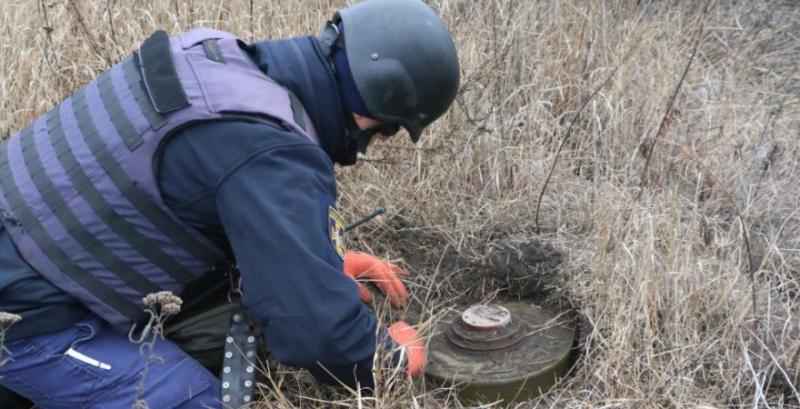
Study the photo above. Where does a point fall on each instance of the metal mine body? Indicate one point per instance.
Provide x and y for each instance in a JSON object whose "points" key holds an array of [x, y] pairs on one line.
{"points": [[510, 352]]}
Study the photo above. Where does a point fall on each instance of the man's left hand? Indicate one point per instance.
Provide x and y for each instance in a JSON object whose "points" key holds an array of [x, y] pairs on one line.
{"points": [[408, 338], [382, 273]]}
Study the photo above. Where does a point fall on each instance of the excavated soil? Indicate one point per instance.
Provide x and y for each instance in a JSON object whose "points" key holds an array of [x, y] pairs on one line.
{"points": [[502, 267], [527, 270]]}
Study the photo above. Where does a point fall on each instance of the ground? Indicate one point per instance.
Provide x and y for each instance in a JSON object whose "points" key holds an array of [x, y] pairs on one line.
{"points": [[634, 161]]}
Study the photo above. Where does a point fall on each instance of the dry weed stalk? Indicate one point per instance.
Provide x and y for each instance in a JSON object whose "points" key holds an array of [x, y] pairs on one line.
{"points": [[751, 268], [648, 150], [160, 306], [568, 133], [6, 321]]}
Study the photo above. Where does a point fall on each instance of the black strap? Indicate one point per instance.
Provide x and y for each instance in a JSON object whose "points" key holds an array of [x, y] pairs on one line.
{"points": [[130, 135], [159, 74], [135, 83], [238, 369], [63, 212], [118, 224], [50, 248], [168, 226]]}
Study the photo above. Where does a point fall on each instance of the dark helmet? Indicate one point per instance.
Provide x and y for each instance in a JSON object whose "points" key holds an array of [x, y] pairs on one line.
{"points": [[403, 61]]}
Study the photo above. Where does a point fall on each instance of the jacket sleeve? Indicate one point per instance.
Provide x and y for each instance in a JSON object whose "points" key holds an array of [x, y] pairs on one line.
{"points": [[274, 210]]}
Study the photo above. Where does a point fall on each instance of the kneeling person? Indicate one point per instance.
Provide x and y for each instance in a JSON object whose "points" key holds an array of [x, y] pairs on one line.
{"points": [[197, 153]]}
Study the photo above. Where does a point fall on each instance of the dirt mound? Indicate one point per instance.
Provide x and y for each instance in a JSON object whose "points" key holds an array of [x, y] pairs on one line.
{"points": [[526, 270], [511, 267]]}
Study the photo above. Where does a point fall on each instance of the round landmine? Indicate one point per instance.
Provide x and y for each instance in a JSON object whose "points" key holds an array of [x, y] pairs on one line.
{"points": [[509, 352]]}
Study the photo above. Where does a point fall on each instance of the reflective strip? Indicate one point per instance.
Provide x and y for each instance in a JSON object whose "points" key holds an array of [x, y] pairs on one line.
{"points": [[171, 228], [136, 84], [73, 225], [48, 246], [87, 360], [118, 224], [122, 124]]}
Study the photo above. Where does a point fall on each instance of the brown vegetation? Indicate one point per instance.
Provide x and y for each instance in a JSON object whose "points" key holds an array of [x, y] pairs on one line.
{"points": [[673, 203]]}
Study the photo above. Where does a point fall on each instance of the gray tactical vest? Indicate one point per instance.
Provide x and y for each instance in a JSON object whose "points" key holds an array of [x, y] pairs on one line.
{"points": [[78, 190]]}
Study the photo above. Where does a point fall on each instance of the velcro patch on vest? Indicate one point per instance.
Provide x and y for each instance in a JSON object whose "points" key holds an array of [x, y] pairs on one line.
{"points": [[159, 74], [213, 52], [297, 111], [336, 228]]}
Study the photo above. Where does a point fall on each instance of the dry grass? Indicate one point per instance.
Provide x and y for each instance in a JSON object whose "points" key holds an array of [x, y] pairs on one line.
{"points": [[651, 200]]}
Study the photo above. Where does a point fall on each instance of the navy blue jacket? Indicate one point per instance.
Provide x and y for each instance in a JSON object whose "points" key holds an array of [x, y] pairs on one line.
{"points": [[263, 193]]}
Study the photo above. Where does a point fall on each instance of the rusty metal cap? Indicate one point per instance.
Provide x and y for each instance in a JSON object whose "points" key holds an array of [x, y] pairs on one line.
{"points": [[484, 328]]}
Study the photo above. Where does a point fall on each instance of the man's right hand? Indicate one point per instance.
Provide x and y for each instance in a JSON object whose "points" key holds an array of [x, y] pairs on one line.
{"points": [[385, 275]]}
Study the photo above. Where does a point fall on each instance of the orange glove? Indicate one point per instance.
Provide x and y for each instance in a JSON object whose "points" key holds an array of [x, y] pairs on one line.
{"points": [[381, 272], [407, 338]]}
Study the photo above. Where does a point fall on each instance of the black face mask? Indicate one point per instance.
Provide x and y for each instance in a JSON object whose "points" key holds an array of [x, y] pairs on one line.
{"points": [[349, 154], [362, 137], [358, 139], [350, 149]]}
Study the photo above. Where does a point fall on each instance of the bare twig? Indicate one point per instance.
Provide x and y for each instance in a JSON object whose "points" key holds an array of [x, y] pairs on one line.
{"points": [[668, 114], [794, 363], [569, 131], [751, 268], [252, 22], [110, 10], [48, 47], [89, 36], [160, 306]]}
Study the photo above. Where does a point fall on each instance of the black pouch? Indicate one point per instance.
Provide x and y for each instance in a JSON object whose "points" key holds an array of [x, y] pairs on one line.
{"points": [[201, 334]]}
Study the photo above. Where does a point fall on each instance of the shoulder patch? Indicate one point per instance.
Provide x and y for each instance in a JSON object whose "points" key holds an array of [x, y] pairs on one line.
{"points": [[336, 226]]}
